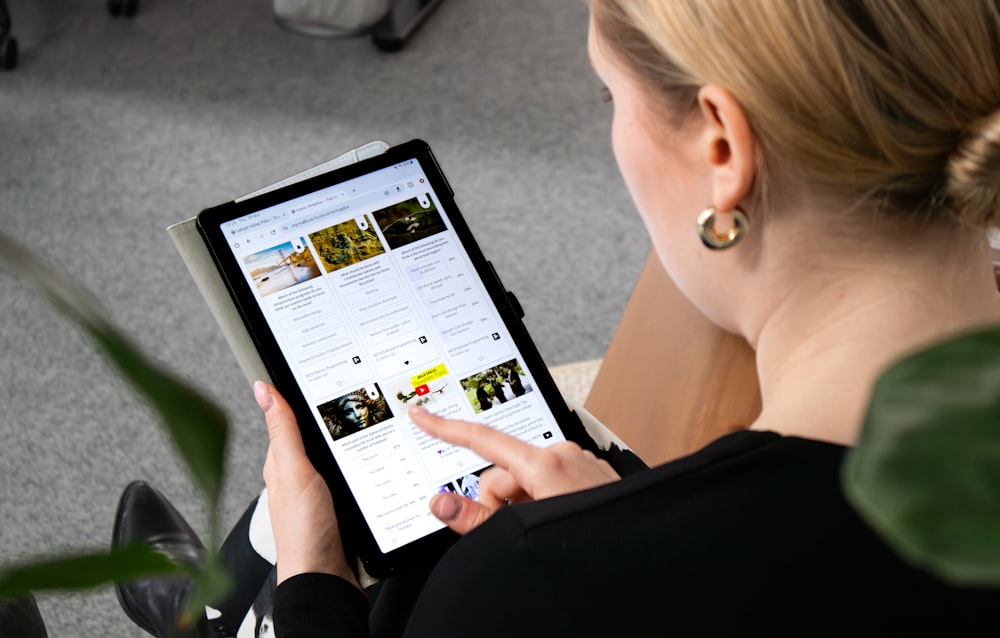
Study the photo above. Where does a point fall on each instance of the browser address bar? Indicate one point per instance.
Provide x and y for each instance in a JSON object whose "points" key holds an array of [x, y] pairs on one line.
{"points": [[365, 200]]}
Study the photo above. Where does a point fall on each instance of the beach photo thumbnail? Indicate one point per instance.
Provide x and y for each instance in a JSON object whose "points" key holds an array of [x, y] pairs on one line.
{"points": [[281, 266]]}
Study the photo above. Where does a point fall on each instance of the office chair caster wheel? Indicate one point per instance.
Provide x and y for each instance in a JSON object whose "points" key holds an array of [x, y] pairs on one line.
{"points": [[123, 8], [8, 53]]}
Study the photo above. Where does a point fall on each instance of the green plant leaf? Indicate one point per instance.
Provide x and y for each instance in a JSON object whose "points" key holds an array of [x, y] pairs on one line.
{"points": [[197, 427], [926, 470], [83, 571], [211, 584]]}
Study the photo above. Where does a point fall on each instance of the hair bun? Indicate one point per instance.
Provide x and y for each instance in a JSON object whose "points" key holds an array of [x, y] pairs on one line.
{"points": [[974, 173]]}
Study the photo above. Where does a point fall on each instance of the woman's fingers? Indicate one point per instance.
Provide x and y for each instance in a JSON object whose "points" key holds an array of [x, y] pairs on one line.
{"points": [[521, 471], [461, 514], [492, 445], [282, 426], [304, 523], [286, 453], [498, 488]]}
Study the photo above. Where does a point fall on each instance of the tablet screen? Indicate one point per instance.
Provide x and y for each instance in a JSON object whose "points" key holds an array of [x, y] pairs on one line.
{"points": [[376, 305]]}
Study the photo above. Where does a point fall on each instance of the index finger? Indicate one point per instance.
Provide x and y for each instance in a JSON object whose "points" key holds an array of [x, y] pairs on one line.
{"points": [[493, 445]]}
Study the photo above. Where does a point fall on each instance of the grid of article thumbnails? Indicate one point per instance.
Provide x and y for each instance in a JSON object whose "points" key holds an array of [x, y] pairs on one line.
{"points": [[352, 242]]}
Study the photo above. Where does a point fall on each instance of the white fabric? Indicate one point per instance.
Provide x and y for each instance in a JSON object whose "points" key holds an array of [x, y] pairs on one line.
{"points": [[261, 536], [249, 625], [346, 15], [994, 236], [597, 430], [201, 265]]}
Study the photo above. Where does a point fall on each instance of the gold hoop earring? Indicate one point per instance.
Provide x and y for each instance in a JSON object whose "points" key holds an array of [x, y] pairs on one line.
{"points": [[715, 240]]}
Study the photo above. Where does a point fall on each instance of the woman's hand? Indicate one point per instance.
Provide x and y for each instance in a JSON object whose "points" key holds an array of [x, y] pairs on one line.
{"points": [[306, 535], [520, 471]]}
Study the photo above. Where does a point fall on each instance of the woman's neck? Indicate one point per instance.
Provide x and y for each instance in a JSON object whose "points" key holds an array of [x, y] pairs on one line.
{"points": [[851, 312]]}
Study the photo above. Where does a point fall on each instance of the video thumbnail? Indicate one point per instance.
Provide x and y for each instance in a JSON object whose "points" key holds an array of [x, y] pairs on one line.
{"points": [[425, 394]]}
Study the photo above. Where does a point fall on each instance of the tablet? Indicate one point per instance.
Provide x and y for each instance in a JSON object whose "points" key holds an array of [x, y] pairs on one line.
{"points": [[364, 292]]}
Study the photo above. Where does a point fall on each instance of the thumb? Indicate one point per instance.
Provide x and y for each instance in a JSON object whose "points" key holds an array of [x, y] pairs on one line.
{"points": [[461, 514], [281, 422]]}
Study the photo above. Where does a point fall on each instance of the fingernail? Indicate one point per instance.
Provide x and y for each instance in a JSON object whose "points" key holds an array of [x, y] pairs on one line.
{"points": [[446, 507], [263, 395]]}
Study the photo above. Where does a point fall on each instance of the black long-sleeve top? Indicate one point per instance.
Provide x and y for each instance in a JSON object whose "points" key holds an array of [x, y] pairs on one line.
{"points": [[749, 536]]}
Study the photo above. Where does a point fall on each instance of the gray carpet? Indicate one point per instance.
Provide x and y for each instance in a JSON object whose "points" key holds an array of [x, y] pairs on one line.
{"points": [[113, 129]]}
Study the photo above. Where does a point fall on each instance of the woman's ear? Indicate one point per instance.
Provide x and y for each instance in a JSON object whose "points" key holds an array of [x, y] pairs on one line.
{"points": [[730, 146]]}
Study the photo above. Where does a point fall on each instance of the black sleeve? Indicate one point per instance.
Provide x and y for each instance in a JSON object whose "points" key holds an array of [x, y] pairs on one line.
{"points": [[314, 605]]}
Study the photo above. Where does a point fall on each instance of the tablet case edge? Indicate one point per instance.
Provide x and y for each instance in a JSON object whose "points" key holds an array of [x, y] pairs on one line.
{"points": [[200, 264], [195, 255]]}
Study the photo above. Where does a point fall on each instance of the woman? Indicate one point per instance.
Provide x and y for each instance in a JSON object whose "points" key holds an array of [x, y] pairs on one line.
{"points": [[817, 177]]}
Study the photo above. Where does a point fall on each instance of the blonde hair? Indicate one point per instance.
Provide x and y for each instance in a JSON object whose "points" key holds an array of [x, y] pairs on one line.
{"points": [[894, 103]]}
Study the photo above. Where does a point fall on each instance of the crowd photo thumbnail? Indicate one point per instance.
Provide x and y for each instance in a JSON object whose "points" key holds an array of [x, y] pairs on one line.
{"points": [[496, 385]]}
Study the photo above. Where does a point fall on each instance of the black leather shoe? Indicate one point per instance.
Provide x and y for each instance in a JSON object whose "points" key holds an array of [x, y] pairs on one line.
{"points": [[145, 516]]}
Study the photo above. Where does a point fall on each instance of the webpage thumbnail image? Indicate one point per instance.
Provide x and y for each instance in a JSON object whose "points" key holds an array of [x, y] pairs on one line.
{"points": [[428, 389], [409, 221], [346, 244], [467, 486], [355, 411], [495, 386], [281, 267]]}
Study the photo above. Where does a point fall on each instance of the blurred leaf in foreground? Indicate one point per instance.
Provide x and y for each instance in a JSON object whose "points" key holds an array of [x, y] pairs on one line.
{"points": [[926, 471], [197, 426], [211, 584], [83, 571]]}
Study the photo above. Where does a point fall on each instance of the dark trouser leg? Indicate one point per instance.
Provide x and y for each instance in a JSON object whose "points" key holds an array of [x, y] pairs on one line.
{"points": [[19, 618], [247, 568], [393, 601]]}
